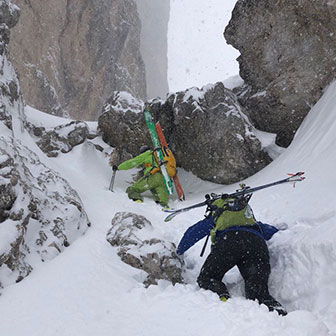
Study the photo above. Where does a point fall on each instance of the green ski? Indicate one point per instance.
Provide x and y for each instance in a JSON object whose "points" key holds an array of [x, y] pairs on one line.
{"points": [[157, 148]]}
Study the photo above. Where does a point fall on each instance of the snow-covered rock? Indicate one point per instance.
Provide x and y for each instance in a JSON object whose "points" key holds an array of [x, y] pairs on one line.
{"points": [[40, 214], [60, 139], [11, 101], [132, 234], [206, 129]]}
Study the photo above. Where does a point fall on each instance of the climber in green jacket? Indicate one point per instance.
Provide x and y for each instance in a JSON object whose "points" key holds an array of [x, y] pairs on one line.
{"points": [[152, 178]]}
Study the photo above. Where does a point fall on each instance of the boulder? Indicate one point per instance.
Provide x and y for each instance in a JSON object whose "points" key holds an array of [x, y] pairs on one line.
{"points": [[121, 123], [285, 66], [206, 128], [133, 236], [211, 136]]}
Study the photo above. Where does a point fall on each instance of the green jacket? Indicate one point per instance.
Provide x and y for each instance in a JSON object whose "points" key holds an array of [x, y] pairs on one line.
{"points": [[145, 159], [243, 217]]}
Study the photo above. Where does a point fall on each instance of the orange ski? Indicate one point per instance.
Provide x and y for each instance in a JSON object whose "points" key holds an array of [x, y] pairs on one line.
{"points": [[175, 178]]}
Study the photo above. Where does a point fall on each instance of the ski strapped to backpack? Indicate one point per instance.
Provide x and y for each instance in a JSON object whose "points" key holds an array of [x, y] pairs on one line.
{"points": [[158, 151], [170, 162], [245, 190]]}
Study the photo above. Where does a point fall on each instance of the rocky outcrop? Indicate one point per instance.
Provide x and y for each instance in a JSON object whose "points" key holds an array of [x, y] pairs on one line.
{"points": [[71, 55], [121, 123], [40, 214], [206, 128], [133, 236], [211, 136], [287, 59], [9, 14], [60, 139], [11, 103]]}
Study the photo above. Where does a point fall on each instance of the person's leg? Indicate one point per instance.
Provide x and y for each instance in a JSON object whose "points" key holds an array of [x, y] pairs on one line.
{"points": [[222, 258], [255, 269], [158, 189], [135, 190]]}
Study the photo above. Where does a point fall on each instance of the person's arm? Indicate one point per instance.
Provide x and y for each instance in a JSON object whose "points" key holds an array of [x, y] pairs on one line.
{"points": [[195, 233], [267, 230], [145, 157]]}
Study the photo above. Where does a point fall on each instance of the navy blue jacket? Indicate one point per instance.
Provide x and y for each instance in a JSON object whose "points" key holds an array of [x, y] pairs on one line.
{"points": [[202, 228]]}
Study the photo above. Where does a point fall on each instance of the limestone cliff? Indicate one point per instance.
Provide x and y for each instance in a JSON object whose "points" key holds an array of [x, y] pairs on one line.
{"points": [[71, 55]]}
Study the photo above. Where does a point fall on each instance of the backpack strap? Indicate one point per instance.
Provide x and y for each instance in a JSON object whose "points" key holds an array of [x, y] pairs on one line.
{"points": [[154, 169]]}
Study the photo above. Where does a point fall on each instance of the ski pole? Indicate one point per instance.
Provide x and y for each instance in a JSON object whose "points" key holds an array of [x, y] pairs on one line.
{"points": [[205, 244], [112, 180]]}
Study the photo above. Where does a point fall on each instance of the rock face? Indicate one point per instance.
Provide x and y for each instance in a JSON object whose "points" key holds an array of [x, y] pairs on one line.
{"points": [[11, 103], [71, 55], [287, 59], [40, 214], [133, 236], [206, 129]]}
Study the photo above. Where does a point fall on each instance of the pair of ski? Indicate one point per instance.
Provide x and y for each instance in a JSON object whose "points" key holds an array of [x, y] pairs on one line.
{"points": [[293, 178], [160, 143]]}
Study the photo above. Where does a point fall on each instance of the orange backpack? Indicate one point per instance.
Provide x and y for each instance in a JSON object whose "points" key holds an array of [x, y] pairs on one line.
{"points": [[169, 161]]}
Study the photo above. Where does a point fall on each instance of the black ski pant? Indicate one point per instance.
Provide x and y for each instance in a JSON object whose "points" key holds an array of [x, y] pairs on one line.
{"points": [[247, 251]]}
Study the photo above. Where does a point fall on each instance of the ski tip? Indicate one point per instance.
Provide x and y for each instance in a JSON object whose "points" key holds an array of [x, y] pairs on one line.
{"points": [[300, 173], [170, 217], [298, 177]]}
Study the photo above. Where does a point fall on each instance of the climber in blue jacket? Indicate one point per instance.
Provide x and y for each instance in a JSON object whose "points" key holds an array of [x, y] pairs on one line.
{"points": [[237, 240]]}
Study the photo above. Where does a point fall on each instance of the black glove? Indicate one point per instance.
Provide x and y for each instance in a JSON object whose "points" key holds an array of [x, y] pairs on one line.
{"points": [[114, 167]]}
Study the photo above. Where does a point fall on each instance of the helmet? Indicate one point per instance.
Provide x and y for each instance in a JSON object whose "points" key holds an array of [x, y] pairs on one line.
{"points": [[144, 148]]}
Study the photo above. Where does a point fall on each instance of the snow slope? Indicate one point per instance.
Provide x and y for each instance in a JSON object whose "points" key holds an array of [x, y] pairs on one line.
{"points": [[87, 290]]}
